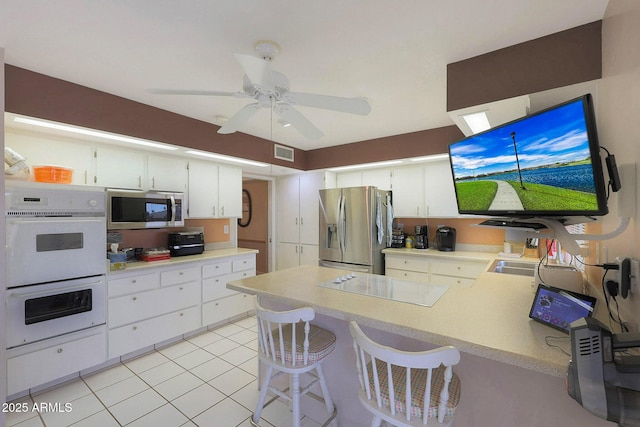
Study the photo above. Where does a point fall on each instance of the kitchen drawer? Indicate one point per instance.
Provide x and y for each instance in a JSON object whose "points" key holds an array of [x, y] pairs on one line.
{"points": [[216, 287], [244, 264], [216, 269], [133, 284], [224, 308], [407, 275], [183, 275], [467, 269], [69, 354], [136, 307], [466, 282], [133, 337], [407, 263]]}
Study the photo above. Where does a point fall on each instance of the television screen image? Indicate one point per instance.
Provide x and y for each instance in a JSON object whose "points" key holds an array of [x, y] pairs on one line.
{"points": [[545, 164]]}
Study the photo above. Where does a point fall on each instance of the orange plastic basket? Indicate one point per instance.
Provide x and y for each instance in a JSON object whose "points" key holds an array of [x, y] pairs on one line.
{"points": [[53, 174]]}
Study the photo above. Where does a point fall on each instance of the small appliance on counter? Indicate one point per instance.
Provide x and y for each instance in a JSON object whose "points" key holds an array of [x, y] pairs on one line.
{"points": [[446, 239], [603, 376], [422, 237], [186, 243]]}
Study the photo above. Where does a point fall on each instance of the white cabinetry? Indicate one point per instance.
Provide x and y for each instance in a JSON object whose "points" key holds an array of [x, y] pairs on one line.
{"points": [[166, 173], [408, 186], [218, 302], [42, 362], [156, 304], [380, 178], [298, 220], [215, 191], [52, 150], [439, 270], [156, 307], [440, 194], [117, 167]]}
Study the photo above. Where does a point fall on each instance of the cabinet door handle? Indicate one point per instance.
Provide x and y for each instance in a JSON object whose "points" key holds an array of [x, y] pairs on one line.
{"points": [[214, 211], [181, 273], [134, 299], [135, 328], [301, 221], [59, 350], [181, 314], [85, 176], [182, 288], [139, 181], [222, 211], [296, 220], [301, 249], [134, 281]]}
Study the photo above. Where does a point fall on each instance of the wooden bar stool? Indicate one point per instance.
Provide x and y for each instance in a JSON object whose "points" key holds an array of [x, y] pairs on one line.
{"points": [[288, 344], [406, 389]]}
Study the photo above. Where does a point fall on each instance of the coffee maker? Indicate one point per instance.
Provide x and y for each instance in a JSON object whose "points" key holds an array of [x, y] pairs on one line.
{"points": [[422, 237], [446, 239]]}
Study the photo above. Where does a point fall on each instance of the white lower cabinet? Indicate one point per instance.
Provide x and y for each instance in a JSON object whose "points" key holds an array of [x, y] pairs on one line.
{"points": [[438, 270], [155, 304], [42, 362], [218, 302], [147, 332]]}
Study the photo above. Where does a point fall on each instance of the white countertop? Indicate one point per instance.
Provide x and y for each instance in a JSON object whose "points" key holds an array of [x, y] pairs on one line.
{"points": [[489, 319], [205, 256]]}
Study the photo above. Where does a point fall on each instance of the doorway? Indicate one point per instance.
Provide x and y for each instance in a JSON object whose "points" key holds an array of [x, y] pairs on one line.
{"points": [[254, 228]]}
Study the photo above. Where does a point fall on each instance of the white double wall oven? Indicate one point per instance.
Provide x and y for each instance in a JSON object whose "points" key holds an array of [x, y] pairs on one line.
{"points": [[56, 269]]}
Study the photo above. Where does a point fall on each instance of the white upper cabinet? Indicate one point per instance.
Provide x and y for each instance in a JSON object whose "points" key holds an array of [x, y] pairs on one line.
{"points": [[203, 190], [408, 191], [167, 173], [215, 191], [230, 191], [440, 195], [380, 178], [38, 149], [117, 167]]}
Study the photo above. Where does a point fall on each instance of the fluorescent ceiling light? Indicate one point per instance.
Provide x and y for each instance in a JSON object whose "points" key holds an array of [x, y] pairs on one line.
{"points": [[227, 158], [90, 132], [477, 122], [366, 165], [432, 158]]}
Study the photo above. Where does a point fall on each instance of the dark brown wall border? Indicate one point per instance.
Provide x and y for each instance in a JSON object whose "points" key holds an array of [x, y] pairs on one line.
{"points": [[560, 59], [415, 144], [37, 95]]}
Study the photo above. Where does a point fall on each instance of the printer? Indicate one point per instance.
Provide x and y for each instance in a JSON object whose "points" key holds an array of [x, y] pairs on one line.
{"points": [[603, 374], [186, 243]]}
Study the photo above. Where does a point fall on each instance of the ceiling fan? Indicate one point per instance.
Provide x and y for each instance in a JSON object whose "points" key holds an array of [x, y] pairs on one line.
{"points": [[270, 89]]}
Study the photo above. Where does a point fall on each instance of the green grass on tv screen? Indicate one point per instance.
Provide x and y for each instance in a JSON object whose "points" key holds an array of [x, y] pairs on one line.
{"points": [[478, 195]]}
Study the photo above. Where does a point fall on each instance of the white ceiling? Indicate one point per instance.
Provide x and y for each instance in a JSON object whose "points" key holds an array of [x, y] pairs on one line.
{"points": [[394, 53]]}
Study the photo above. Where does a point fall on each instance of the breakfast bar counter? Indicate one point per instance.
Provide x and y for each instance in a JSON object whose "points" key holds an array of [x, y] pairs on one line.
{"points": [[512, 369], [489, 319]]}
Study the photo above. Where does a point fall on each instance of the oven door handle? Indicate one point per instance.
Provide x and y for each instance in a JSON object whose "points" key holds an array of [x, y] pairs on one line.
{"points": [[53, 291]]}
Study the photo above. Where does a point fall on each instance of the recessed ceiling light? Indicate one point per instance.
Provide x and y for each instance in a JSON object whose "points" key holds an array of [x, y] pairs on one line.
{"points": [[477, 122]]}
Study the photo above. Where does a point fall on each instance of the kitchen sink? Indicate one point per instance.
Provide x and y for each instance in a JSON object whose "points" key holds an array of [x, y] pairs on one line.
{"points": [[513, 267]]}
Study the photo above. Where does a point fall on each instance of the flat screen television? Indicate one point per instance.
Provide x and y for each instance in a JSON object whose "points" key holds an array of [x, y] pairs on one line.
{"points": [[545, 165]]}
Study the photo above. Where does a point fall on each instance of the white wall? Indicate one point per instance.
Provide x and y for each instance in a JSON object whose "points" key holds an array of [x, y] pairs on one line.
{"points": [[619, 121]]}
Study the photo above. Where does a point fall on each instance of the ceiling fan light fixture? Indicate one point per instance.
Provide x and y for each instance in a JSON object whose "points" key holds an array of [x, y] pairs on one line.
{"points": [[267, 49]]}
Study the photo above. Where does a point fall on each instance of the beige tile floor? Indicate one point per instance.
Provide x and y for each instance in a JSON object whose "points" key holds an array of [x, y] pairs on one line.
{"points": [[208, 380]]}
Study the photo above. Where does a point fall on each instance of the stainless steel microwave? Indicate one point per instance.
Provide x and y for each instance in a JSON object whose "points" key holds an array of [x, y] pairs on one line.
{"points": [[131, 209]]}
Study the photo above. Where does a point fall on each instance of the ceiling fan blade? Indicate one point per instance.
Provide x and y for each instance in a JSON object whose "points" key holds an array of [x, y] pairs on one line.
{"points": [[239, 118], [258, 71], [335, 103], [298, 121], [196, 92]]}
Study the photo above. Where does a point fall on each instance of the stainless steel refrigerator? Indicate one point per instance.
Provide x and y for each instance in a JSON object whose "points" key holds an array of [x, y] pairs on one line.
{"points": [[355, 225]]}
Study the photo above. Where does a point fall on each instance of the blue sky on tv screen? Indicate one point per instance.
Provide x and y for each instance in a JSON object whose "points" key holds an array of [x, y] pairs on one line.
{"points": [[556, 136]]}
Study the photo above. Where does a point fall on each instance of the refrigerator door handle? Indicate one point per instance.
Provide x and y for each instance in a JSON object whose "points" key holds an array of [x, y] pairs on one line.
{"points": [[343, 223]]}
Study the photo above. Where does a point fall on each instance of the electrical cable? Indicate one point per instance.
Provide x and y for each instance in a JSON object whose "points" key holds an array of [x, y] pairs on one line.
{"points": [[549, 337]]}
